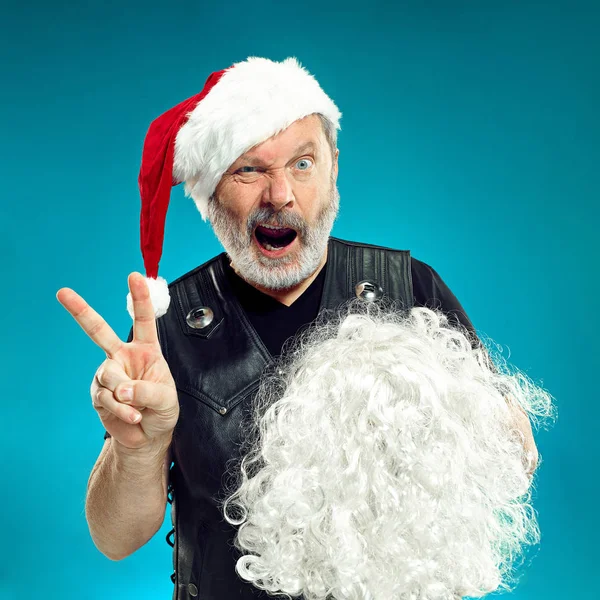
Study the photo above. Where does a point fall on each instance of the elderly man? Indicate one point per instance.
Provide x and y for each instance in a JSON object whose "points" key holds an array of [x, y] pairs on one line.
{"points": [[257, 152]]}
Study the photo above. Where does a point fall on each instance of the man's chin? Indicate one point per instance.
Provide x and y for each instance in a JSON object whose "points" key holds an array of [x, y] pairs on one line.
{"points": [[272, 274], [278, 279], [276, 273]]}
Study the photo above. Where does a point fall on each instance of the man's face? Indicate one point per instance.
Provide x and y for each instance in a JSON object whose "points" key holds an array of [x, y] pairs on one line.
{"points": [[274, 208]]}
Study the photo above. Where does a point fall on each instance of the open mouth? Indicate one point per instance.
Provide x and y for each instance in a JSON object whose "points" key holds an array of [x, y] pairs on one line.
{"points": [[274, 238]]}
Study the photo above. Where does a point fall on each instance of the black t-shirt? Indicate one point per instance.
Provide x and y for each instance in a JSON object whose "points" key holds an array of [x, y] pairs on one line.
{"points": [[275, 322]]}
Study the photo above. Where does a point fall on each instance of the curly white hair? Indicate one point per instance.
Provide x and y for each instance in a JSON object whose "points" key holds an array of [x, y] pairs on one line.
{"points": [[382, 463]]}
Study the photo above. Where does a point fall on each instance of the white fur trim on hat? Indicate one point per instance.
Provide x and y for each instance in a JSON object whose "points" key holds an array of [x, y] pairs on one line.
{"points": [[253, 101], [159, 295]]}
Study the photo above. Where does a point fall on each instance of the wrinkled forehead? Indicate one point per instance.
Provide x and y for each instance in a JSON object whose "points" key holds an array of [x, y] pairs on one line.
{"points": [[303, 135]]}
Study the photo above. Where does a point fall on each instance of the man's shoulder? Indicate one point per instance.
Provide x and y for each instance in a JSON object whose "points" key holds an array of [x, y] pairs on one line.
{"points": [[193, 272], [356, 244], [419, 268], [423, 270]]}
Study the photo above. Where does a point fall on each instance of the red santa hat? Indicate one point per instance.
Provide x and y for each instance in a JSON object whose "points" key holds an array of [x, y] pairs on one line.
{"points": [[196, 141]]}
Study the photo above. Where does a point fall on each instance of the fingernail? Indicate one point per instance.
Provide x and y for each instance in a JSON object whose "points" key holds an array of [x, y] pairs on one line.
{"points": [[126, 393]]}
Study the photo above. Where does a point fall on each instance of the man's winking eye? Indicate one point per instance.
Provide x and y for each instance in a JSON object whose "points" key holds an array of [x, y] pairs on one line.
{"points": [[251, 169], [309, 146]]}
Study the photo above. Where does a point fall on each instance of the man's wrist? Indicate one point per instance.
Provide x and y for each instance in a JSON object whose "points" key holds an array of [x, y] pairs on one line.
{"points": [[150, 455]]}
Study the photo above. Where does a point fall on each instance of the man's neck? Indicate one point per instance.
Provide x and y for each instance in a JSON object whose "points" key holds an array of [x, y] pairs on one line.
{"points": [[290, 295]]}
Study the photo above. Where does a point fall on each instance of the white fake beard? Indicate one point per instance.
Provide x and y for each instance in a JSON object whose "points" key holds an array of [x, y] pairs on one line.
{"points": [[275, 273], [383, 464]]}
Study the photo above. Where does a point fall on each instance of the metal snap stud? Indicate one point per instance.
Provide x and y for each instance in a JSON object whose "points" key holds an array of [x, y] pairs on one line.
{"points": [[222, 410], [368, 291], [200, 317], [192, 589]]}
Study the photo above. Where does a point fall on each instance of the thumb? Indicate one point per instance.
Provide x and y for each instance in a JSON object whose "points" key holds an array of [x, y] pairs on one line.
{"points": [[147, 394]]}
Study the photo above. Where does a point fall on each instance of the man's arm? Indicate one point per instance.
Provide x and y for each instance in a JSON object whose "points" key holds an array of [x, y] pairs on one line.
{"points": [[126, 497], [430, 290], [522, 424]]}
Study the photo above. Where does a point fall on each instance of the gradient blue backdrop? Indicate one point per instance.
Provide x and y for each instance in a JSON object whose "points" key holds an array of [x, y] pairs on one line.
{"points": [[470, 136]]}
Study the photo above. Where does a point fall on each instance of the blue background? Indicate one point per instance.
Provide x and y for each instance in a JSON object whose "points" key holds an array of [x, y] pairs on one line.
{"points": [[470, 135]]}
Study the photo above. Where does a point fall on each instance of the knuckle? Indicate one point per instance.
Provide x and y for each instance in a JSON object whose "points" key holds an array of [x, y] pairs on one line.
{"points": [[95, 328], [101, 373], [97, 398]]}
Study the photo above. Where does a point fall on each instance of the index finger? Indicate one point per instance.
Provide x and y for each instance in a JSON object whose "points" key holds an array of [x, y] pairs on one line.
{"points": [[90, 321], [144, 322]]}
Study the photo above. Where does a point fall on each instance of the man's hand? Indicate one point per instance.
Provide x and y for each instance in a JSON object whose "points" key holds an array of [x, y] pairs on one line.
{"points": [[521, 422], [138, 365]]}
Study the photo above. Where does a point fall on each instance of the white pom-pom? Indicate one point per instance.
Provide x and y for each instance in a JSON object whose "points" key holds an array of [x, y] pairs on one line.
{"points": [[159, 295]]}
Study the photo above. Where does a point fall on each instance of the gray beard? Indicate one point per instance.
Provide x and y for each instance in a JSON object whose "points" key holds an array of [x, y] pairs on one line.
{"points": [[274, 273]]}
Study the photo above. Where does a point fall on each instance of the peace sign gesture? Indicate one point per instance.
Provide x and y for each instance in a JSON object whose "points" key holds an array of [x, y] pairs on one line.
{"points": [[138, 365]]}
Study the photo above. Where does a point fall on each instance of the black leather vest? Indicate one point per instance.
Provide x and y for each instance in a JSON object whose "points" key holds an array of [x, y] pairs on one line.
{"points": [[217, 371]]}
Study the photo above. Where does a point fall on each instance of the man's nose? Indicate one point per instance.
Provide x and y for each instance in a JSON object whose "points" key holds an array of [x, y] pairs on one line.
{"points": [[279, 192]]}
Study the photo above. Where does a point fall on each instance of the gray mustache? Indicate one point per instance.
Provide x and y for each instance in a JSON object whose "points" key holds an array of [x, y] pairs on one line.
{"points": [[278, 219]]}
